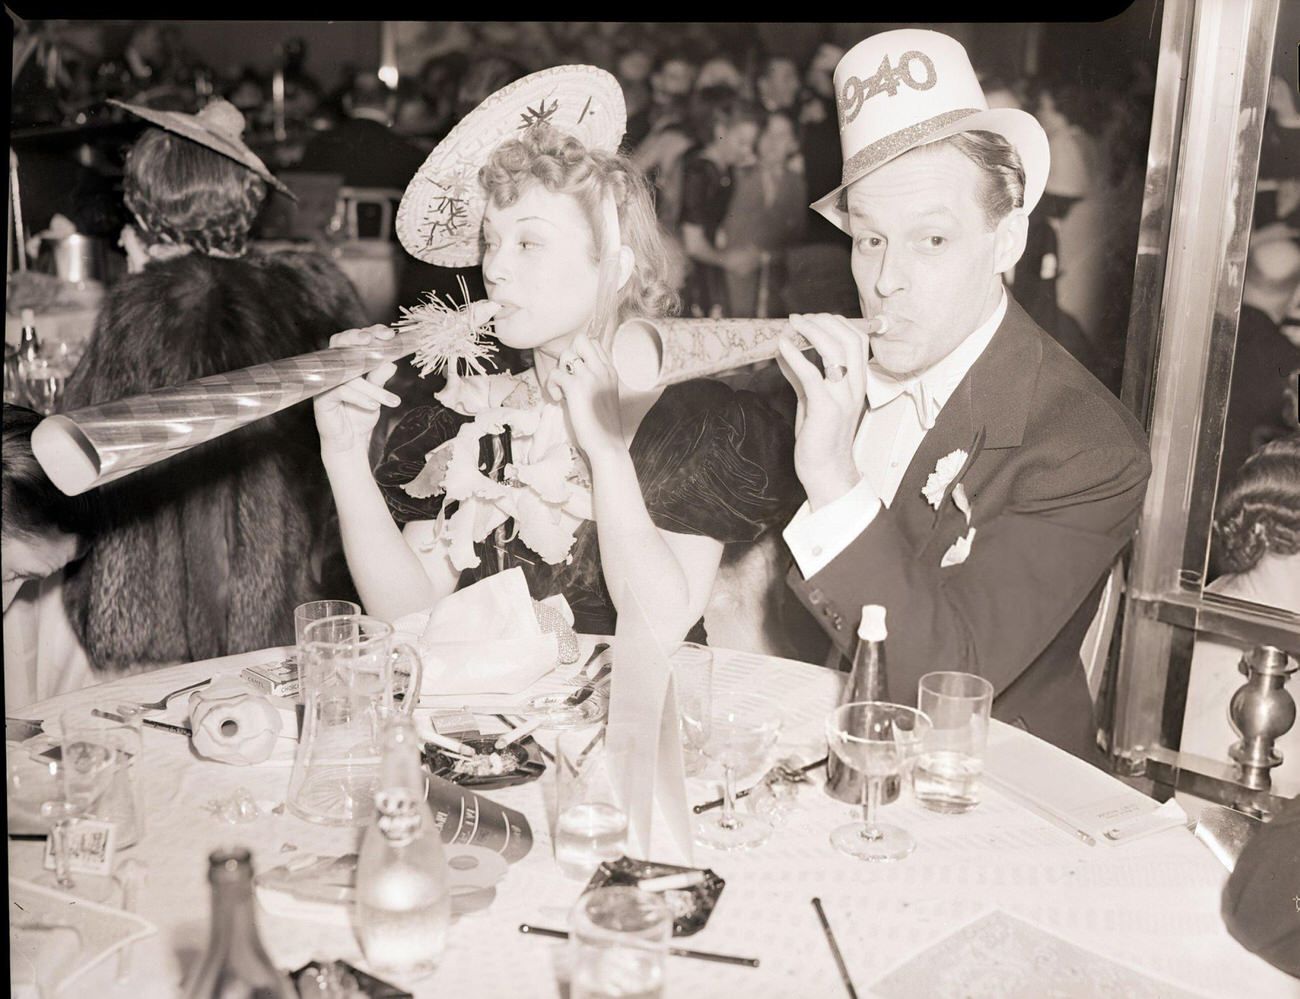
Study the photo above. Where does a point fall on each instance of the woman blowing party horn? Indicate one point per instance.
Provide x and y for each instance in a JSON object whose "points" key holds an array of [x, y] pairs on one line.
{"points": [[587, 485]]}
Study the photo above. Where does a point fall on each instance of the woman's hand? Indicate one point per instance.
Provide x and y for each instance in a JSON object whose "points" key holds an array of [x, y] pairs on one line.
{"points": [[346, 416], [829, 407], [585, 379]]}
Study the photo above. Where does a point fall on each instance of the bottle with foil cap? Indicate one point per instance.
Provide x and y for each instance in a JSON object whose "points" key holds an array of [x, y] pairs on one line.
{"points": [[235, 965], [867, 682], [403, 902]]}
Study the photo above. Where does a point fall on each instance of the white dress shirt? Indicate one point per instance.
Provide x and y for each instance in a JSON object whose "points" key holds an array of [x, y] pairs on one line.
{"points": [[897, 418]]}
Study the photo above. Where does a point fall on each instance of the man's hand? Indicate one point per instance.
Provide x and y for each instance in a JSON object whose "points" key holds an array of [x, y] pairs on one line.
{"points": [[829, 407]]}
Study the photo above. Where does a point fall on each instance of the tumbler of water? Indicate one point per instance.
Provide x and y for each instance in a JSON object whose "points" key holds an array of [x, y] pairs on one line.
{"points": [[618, 944], [591, 824], [947, 775]]}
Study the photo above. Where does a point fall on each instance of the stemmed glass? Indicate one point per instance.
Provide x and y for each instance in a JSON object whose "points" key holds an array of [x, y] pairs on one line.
{"points": [[742, 731], [879, 741]]}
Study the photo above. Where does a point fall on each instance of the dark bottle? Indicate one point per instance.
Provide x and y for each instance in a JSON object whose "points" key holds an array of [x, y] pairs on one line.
{"points": [[868, 682], [236, 965]]}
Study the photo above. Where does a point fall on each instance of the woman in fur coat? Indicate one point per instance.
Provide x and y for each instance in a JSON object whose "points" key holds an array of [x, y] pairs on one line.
{"points": [[207, 553]]}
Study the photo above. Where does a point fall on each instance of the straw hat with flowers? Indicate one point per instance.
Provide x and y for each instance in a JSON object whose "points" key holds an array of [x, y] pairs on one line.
{"points": [[441, 213]]}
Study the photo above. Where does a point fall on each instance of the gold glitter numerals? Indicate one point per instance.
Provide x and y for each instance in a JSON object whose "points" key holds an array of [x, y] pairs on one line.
{"points": [[886, 80]]}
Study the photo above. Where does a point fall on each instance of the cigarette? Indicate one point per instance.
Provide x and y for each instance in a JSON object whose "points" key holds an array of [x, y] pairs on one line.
{"points": [[668, 882], [451, 745], [877, 325], [514, 735]]}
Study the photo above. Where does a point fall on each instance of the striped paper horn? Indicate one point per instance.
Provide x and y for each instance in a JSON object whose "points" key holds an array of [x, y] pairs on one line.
{"points": [[92, 446], [650, 352]]}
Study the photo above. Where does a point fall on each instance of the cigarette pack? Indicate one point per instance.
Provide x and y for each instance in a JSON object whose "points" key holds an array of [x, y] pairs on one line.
{"points": [[279, 679]]}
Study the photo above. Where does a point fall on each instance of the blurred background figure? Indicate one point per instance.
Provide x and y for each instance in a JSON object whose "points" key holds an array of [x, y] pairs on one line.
{"points": [[777, 84], [363, 149], [1257, 545], [725, 128], [430, 112], [1266, 362], [668, 136], [766, 214], [207, 553], [41, 532]]}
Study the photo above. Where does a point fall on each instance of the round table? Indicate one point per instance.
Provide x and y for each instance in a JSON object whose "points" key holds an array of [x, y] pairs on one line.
{"points": [[1151, 905]]}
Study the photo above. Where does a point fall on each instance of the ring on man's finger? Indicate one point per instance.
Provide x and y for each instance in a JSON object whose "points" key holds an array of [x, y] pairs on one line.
{"points": [[571, 365], [836, 372]]}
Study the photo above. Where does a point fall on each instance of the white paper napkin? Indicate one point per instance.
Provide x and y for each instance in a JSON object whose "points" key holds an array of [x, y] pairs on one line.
{"points": [[483, 639]]}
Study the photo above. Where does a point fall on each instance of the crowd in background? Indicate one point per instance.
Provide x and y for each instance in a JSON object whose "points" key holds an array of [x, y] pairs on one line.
{"points": [[734, 123]]}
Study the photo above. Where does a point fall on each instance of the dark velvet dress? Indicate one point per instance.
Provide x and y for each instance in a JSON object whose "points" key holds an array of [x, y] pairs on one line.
{"points": [[711, 461]]}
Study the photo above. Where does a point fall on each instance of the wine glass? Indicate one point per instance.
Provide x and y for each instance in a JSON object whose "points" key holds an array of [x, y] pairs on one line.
{"points": [[44, 380], [742, 731], [877, 740]]}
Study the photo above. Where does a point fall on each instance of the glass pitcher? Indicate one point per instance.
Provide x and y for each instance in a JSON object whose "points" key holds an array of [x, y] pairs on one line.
{"points": [[352, 676]]}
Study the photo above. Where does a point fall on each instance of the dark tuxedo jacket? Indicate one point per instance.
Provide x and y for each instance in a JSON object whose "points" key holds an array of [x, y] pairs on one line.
{"points": [[1055, 479]]}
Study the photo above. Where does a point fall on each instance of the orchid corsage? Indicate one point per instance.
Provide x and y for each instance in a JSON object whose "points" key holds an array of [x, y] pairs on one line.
{"points": [[545, 487]]}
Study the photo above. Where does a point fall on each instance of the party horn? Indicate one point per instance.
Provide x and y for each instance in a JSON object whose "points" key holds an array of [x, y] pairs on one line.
{"points": [[94, 445], [651, 352]]}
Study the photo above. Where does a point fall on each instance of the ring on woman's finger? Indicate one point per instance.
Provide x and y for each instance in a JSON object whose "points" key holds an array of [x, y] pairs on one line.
{"points": [[836, 372], [571, 365]]}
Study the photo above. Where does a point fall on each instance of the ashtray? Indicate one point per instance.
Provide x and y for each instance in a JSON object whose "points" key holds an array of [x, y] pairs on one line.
{"points": [[517, 763], [691, 904]]}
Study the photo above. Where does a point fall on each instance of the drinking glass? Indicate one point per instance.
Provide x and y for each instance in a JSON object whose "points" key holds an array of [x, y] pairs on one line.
{"points": [[590, 824], [742, 731], [948, 772], [878, 740], [44, 379], [692, 669], [314, 610], [618, 944]]}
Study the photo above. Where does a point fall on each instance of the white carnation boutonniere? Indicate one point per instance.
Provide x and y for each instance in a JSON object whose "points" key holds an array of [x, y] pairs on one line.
{"points": [[944, 472]]}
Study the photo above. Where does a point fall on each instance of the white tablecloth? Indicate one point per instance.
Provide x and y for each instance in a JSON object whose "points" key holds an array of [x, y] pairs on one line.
{"points": [[1152, 904]]}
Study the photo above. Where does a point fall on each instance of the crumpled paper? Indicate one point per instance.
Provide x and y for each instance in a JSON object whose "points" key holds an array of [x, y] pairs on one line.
{"points": [[485, 638]]}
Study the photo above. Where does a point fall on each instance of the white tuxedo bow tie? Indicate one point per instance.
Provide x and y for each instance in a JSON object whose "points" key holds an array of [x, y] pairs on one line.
{"points": [[883, 388]]}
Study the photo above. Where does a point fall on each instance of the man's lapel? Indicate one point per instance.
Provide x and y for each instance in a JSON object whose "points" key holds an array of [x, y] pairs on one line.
{"points": [[987, 411]]}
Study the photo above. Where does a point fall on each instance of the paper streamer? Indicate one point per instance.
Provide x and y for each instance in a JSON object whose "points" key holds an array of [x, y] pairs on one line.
{"points": [[97, 444], [650, 352]]}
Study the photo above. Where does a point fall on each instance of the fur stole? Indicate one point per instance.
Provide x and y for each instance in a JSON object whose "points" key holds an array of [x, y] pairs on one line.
{"points": [[207, 553]]}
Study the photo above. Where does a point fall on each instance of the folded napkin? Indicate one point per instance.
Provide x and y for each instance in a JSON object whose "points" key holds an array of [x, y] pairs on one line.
{"points": [[55, 937], [485, 638]]}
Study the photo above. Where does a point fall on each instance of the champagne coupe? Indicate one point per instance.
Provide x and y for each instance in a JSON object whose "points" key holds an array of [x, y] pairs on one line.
{"points": [[878, 740], [743, 730]]}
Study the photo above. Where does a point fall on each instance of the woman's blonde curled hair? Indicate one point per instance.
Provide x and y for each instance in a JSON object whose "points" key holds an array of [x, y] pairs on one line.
{"points": [[563, 165]]}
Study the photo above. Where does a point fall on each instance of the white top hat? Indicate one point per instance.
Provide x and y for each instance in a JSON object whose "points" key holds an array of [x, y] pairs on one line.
{"points": [[901, 89], [440, 214]]}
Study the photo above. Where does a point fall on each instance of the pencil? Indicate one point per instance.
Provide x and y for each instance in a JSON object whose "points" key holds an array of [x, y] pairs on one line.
{"points": [[835, 949], [703, 955], [1040, 809]]}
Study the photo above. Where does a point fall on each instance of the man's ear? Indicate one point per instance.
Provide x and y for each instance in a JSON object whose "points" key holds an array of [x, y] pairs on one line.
{"points": [[626, 262], [1009, 240]]}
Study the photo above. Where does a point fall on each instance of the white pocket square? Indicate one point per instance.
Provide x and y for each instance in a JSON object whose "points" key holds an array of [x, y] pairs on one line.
{"points": [[959, 551]]}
